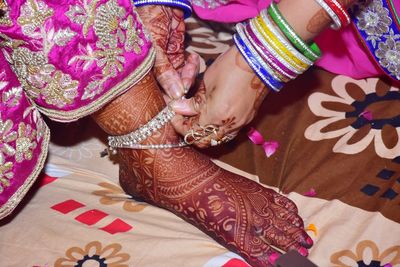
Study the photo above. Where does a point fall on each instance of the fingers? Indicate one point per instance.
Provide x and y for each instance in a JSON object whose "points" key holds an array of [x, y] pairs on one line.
{"points": [[186, 107], [190, 71], [175, 50], [167, 76]]}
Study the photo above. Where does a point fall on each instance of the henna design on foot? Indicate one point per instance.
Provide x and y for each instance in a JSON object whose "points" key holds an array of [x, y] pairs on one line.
{"points": [[239, 213]]}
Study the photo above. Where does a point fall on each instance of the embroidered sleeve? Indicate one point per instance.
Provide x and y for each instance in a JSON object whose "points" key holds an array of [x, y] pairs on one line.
{"points": [[24, 139], [73, 58]]}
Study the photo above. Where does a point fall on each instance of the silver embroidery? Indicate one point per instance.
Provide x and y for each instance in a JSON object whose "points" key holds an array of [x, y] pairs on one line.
{"points": [[32, 17], [25, 142], [5, 19], [9, 97], [63, 36], [211, 4], [6, 149], [83, 14], [374, 20], [6, 137], [36, 75], [112, 30], [6, 173], [107, 24], [133, 40], [388, 53]]}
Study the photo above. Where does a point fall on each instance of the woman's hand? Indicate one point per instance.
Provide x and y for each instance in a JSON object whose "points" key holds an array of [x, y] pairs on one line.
{"points": [[167, 28], [227, 100]]}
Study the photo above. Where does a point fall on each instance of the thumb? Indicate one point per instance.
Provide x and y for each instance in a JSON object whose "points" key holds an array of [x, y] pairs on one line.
{"points": [[185, 107]]}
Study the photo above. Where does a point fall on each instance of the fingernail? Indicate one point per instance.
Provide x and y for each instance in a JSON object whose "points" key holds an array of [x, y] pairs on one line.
{"points": [[176, 91], [180, 107], [303, 252], [273, 257], [186, 87], [309, 241]]}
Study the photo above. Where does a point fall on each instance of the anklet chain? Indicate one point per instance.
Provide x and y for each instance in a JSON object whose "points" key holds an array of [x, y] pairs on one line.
{"points": [[132, 139]]}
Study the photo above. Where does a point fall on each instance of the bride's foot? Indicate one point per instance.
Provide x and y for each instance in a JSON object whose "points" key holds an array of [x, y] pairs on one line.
{"points": [[239, 213]]}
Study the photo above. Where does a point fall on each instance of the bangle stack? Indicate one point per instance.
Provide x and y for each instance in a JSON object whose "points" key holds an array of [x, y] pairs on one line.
{"points": [[275, 58], [336, 12], [182, 4]]}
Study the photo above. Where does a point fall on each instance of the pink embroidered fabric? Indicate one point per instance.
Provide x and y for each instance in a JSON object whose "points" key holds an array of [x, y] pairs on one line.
{"points": [[23, 141], [70, 59], [343, 53]]}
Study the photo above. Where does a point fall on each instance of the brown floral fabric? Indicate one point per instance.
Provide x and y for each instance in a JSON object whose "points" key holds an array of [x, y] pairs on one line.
{"points": [[336, 135]]}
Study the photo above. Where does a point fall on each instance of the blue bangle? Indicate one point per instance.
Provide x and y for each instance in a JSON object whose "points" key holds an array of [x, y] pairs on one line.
{"points": [[254, 63], [182, 4]]}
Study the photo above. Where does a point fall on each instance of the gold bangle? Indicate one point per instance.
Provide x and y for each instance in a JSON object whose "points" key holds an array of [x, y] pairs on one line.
{"points": [[279, 47]]}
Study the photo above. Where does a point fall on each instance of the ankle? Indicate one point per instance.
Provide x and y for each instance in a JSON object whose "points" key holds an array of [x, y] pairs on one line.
{"points": [[132, 109]]}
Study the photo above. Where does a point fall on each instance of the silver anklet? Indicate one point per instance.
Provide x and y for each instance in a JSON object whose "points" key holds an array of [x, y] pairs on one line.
{"points": [[158, 146], [132, 139]]}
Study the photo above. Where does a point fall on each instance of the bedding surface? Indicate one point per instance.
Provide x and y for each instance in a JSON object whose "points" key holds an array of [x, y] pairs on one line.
{"points": [[338, 160]]}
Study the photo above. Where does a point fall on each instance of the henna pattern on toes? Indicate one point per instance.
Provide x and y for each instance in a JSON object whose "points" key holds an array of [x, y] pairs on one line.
{"points": [[237, 212]]}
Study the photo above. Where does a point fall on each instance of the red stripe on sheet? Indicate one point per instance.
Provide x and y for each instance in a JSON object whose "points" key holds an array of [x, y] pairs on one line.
{"points": [[117, 226], [45, 179], [235, 263], [91, 217], [67, 206]]}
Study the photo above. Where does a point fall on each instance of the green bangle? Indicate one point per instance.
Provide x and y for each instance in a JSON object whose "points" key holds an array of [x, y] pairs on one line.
{"points": [[312, 51], [395, 11]]}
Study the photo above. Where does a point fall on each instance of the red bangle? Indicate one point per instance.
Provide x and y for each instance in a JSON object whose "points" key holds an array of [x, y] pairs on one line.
{"points": [[340, 11]]}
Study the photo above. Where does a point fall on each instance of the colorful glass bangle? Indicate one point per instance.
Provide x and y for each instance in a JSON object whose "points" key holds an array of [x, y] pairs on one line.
{"points": [[182, 4], [284, 60], [279, 47], [263, 64], [312, 51], [287, 57], [276, 34], [340, 11], [337, 24], [272, 61], [255, 65]]}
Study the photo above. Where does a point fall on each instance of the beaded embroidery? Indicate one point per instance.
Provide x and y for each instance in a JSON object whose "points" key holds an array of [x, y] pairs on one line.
{"points": [[41, 79], [378, 30], [112, 30], [210, 4], [17, 141], [5, 17]]}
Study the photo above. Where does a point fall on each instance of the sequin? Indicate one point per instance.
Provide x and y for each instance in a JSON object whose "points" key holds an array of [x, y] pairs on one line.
{"points": [[133, 41], [83, 14], [210, 4], [5, 19], [7, 135], [25, 142], [380, 33], [32, 17], [374, 18], [6, 173]]}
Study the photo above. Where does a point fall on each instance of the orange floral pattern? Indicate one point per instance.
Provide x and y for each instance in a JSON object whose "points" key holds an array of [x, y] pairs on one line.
{"points": [[94, 254], [362, 257], [113, 194]]}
